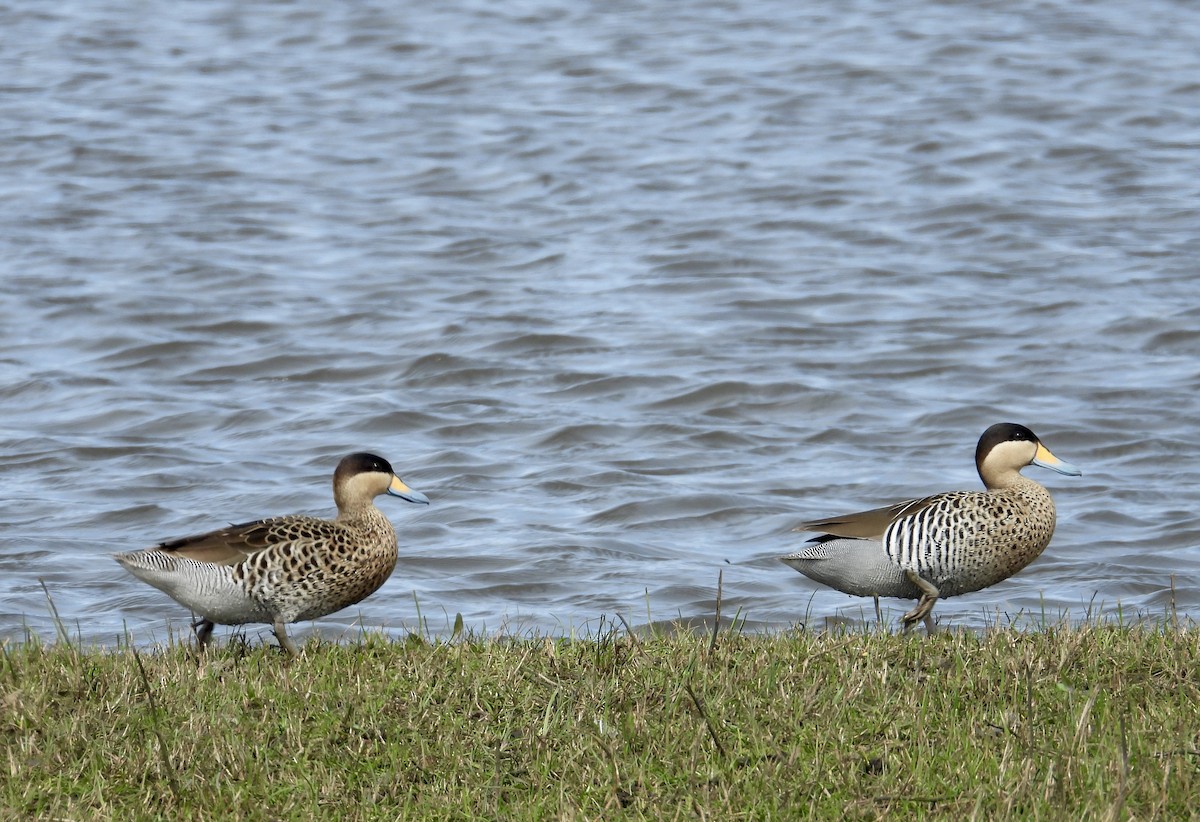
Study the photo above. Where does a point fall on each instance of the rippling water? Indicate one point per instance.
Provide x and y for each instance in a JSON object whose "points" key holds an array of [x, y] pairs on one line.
{"points": [[627, 289]]}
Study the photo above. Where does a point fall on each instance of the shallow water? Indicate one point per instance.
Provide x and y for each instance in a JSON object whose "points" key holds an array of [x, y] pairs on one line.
{"points": [[628, 290]]}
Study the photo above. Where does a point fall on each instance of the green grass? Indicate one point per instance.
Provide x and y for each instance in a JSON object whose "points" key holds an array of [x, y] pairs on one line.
{"points": [[1065, 723]]}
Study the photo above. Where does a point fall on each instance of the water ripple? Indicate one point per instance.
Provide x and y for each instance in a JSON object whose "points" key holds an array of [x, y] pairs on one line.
{"points": [[628, 294]]}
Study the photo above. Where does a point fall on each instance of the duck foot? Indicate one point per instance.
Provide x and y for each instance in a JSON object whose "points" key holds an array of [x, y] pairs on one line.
{"points": [[285, 641], [203, 628], [924, 607]]}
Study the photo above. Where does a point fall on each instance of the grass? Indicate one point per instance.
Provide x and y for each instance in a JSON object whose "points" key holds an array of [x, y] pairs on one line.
{"points": [[1097, 721]]}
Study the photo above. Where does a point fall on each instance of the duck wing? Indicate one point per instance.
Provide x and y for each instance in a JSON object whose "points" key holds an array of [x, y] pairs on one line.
{"points": [[237, 543], [868, 524]]}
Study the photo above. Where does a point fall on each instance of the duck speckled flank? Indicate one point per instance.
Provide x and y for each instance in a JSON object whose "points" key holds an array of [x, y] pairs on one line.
{"points": [[943, 545], [284, 569]]}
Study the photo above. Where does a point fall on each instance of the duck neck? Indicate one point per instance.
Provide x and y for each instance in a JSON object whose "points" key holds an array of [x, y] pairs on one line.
{"points": [[358, 511], [1012, 481]]}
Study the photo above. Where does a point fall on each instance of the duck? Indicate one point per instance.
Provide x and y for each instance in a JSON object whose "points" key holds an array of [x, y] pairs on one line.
{"points": [[284, 569], [943, 545]]}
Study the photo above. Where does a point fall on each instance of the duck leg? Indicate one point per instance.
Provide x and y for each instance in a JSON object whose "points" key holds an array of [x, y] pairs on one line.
{"points": [[285, 641], [203, 628], [924, 607]]}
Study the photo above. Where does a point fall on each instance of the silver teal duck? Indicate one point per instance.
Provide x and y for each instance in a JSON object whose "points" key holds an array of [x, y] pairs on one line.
{"points": [[946, 544], [284, 569]]}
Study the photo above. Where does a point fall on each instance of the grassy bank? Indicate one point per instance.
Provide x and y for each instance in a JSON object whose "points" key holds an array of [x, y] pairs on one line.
{"points": [[1096, 721]]}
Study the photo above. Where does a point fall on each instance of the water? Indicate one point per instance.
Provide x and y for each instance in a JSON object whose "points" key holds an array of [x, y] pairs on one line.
{"points": [[627, 289]]}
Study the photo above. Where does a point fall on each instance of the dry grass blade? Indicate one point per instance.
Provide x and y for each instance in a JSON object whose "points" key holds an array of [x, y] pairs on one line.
{"points": [[712, 731], [155, 720], [717, 614], [59, 627]]}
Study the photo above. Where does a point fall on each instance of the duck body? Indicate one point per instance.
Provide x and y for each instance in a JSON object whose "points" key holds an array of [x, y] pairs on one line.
{"points": [[946, 544], [284, 569]]}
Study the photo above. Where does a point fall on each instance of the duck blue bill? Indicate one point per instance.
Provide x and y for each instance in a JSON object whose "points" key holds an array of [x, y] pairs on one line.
{"points": [[1045, 459], [399, 489]]}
